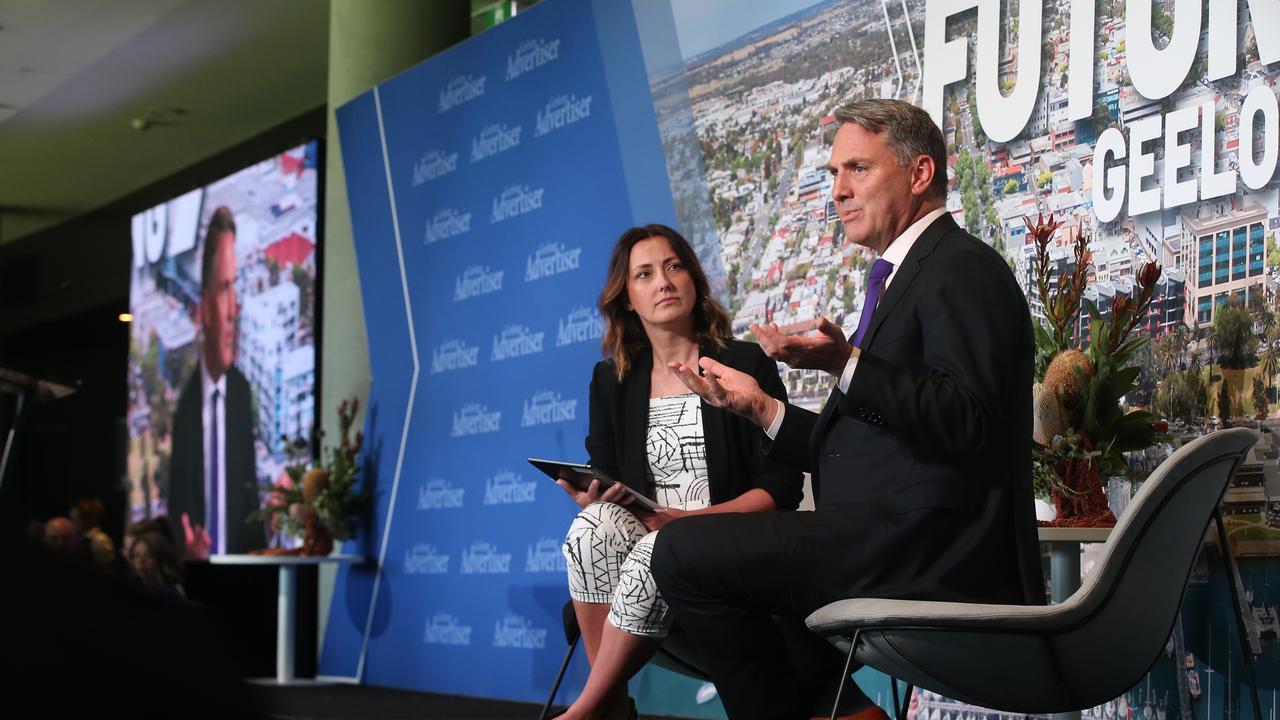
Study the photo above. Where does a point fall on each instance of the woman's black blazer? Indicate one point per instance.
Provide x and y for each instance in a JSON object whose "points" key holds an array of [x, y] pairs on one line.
{"points": [[735, 463]]}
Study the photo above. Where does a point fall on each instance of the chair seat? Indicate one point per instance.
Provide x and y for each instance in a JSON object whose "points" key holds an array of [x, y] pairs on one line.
{"points": [[855, 613], [1077, 654]]}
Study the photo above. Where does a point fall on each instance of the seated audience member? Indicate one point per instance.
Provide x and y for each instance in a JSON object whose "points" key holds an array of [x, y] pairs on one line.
{"points": [[155, 561], [60, 535], [87, 516]]}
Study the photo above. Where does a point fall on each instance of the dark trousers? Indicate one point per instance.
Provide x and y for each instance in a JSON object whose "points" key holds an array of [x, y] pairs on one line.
{"points": [[724, 576]]}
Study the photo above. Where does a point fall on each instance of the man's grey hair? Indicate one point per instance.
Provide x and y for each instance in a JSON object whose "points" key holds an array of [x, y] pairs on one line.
{"points": [[909, 132]]}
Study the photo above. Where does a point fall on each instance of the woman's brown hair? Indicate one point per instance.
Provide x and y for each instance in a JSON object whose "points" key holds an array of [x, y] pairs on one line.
{"points": [[624, 337]]}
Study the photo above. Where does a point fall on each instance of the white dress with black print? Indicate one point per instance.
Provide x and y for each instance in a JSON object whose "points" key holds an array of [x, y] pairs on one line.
{"points": [[608, 549]]}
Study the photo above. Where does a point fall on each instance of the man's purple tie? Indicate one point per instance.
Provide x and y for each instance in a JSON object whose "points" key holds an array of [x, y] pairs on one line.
{"points": [[213, 498], [880, 271]]}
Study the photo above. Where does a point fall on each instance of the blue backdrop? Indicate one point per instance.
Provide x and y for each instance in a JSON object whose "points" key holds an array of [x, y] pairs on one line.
{"points": [[486, 187]]}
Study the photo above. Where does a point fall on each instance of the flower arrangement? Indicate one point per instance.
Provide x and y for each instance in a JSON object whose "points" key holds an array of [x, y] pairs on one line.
{"points": [[1080, 428], [318, 501]]}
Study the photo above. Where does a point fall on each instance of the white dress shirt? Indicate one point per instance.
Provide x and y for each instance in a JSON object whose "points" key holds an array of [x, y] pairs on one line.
{"points": [[895, 253], [219, 483]]}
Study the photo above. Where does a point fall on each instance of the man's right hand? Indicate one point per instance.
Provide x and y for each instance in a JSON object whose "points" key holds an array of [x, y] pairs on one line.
{"points": [[724, 387], [198, 542]]}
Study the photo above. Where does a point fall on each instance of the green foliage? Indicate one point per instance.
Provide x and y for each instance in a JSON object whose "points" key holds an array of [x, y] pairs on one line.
{"points": [[1233, 336], [1099, 415], [326, 491]]}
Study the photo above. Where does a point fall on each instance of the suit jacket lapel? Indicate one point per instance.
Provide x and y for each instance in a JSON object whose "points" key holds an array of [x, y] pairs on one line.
{"points": [[635, 409], [905, 274], [715, 433]]}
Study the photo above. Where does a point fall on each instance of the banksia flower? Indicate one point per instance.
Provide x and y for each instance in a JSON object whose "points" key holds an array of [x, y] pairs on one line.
{"points": [[1060, 377]]}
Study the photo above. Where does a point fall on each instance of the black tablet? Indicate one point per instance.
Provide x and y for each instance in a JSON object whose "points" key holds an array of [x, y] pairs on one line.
{"points": [[580, 476]]}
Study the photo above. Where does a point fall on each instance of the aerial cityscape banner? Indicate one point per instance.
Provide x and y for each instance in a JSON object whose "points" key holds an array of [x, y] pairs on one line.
{"points": [[1152, 129]]}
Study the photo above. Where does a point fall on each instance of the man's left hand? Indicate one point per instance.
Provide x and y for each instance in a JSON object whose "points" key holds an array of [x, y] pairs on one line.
{"points": [[827, 350], [659, 518]]}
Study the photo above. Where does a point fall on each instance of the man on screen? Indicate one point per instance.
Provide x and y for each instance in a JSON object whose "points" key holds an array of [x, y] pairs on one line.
{"points": [[212, 466]]}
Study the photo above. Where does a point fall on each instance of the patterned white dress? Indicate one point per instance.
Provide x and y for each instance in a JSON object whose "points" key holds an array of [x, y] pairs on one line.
{"points": [[608, 549]]}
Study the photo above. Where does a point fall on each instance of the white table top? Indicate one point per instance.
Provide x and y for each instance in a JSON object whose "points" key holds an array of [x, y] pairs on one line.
{"points": [[283, 559], [1074, 534]]}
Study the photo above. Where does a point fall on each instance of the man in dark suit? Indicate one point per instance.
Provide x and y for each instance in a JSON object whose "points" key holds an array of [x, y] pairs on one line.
{"points": [[921, 458], [212, 464]]}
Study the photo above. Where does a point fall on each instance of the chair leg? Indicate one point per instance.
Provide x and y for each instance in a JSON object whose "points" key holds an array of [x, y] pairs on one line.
{"points": [[848, 663], [893, 690], [555, 687], [1237, 610], [901, 712]]}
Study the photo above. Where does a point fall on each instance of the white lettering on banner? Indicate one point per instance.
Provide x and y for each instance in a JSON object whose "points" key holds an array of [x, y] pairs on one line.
{"points": [[444, 629], [531, 55], [514, 631], [494, 139], [432, 165], [453, 355], [545, 556], [477, 280], [551, 259], [447, 223], [1113, 181], [1158, 67], [516, 200], [546, 407], [439, 494], [560, 111], [483, 558], [508, 488], [583, 324], [516, 341], [460, 89], [422, 559], [475, 419]]}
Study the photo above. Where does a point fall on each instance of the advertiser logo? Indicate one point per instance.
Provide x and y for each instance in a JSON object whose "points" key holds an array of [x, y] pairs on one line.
{"points": [[476, 280], [514, 631], [560, 111], [508, 488], [422, 559], [434, 164], [516, 341], [461, 89], [475, 419], [439, 494], [444, 629], [583, 324], [516, 200], [447, 223], [546, 407], [544, 556], [494, 139], [531, 55], [483, 558], [453, 355], [551, 259]]}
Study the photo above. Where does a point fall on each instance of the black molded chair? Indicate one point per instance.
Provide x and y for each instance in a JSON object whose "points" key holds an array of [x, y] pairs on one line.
{"points": [[1080, 653]]}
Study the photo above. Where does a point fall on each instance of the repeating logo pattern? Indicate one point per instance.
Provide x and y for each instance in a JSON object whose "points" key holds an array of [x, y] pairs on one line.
{"points": [[439, 494], [461, 89], [531, 55]]}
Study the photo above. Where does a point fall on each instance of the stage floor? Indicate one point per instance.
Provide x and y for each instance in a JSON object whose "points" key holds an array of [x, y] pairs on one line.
{"points": [[347, 702]]}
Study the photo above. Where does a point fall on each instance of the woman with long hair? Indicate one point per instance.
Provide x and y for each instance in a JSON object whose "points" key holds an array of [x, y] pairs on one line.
{"points": [[651, 434]]}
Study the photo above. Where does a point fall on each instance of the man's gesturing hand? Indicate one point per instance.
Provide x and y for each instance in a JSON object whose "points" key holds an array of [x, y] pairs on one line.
{"points": [[723, 387], [827, 350]]}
